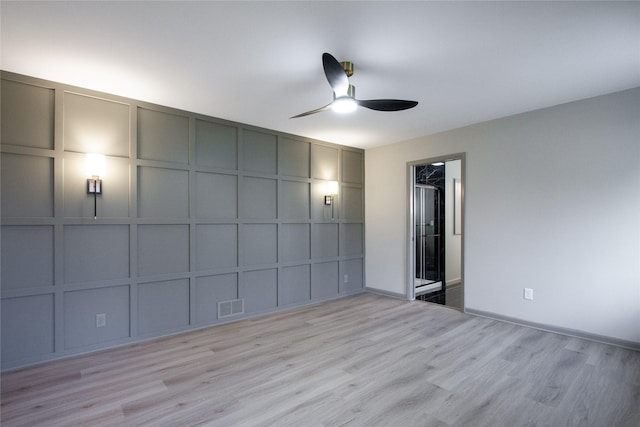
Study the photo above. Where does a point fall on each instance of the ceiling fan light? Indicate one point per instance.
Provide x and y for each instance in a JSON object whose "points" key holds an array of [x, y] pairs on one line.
{"points": [[344, 104]]}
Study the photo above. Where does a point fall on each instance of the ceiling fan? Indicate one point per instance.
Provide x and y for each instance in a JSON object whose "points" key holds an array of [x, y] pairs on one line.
{"points": [[344, 99]]}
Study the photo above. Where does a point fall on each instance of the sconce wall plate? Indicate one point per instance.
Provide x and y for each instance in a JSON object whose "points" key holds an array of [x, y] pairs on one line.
{"points": [[328, 200]]}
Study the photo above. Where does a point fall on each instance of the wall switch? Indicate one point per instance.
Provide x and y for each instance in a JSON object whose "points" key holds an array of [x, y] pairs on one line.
{"points": [[101, 320], [346, 278], [528, 293]]}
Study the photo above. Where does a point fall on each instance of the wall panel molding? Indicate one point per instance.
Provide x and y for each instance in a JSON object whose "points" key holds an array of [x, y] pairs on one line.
{"points": [[195, 211]]}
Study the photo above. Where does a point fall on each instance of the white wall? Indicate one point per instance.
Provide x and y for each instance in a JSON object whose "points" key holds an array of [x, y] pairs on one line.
{"points": [[453, 242], [552, 202]]}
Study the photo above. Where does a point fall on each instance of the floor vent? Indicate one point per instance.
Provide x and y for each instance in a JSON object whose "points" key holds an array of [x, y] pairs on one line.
{"points": [[230, 308]]}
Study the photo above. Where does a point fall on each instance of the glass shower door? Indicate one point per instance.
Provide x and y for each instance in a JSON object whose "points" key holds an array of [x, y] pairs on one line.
{"points": [[428, 250]]}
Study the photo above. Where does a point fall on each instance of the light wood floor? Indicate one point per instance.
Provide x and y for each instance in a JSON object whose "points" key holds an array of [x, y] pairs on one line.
{"points": [[365, 360]]}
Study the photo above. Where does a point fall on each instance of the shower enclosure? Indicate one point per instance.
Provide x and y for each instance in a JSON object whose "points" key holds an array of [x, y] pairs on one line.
{"points": [[429, 240]]}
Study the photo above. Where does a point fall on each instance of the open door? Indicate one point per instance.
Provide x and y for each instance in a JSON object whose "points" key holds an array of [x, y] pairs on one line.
{"points": [[436, 249]]}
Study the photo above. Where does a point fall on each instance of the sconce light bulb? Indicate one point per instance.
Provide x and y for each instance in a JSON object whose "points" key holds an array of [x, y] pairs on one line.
{"points": [[332, 187]]}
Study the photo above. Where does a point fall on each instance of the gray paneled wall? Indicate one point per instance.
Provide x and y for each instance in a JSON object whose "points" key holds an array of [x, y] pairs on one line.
{"points": [[194, 211]]}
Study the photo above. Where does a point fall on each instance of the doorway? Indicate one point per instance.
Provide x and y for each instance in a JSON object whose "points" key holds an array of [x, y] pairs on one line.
{"points": [[436, 231]]}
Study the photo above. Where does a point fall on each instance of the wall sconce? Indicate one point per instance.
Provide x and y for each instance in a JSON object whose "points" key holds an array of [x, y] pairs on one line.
{"points": [[331, 192], [94, 165]]}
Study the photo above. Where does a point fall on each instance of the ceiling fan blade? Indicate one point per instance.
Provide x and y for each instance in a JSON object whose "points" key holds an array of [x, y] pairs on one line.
{"points": [[317, 110], [386, 104], [336, 75]]}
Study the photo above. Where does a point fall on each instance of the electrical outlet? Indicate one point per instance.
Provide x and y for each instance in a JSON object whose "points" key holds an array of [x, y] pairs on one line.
{"points": [[528, 293], [346, 278], [101, 320]]}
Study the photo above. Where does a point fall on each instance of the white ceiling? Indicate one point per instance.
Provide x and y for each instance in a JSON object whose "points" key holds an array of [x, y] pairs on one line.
{"points": [[260, 62]]}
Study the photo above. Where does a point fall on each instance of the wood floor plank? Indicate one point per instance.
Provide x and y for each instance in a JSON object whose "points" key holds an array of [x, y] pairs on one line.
{"points": [[365, 360]]}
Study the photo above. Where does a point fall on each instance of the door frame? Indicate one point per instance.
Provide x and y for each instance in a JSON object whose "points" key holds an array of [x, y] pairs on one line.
{"points": [[410, 234]]}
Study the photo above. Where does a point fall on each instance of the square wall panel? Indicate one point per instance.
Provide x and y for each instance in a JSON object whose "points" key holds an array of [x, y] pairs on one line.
{"points": [[259, 290], [216, 195], [324, 162], [259, 152], [94, 125], [163, 136], [294, 200], [163, 249], [27, 256], [27, 327], [351, 239], [27, 115], [324, 241], [352, 268], [96, 252], [259, 198], [216, 246], [163, 193], [352, 203], [295, 285], [216, 145], [352, 166], [294, 157], [81, 308], [260, 244], [324, 280], [212, 289], [114, 200], [163, 306], [27, 186], [294, 242]]}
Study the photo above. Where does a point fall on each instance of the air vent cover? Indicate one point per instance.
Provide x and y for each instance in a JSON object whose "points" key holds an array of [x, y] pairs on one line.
{"points": [[230, 308]]}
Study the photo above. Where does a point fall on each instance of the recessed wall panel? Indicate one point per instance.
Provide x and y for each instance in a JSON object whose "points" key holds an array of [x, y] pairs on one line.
{"points": [[259, 290], [27, 327], [352, 166], [163, 306], [352, 203], [216, 145], [260, 244], [294, 285], [81, 308], [324, 162], [259, 198], [259, 152], [27, 186], [212, 289], [163, 249], [27, 256], [27, 115], [324, 280], [294, 158], [95, 252], [94, 125], [353, 269], [352, 239], [163, 136], [114, 200], [163, 193], [216, 246], [294, 200], [216, 195], [324, 241], [294, 241]]}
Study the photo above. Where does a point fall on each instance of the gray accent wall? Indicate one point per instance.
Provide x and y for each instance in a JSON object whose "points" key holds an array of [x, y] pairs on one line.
{"points": [[194, 211]]}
